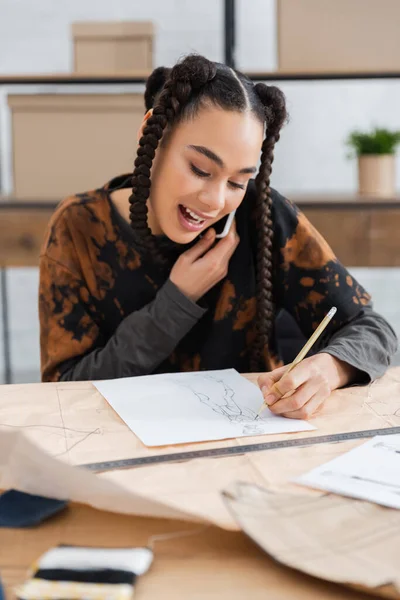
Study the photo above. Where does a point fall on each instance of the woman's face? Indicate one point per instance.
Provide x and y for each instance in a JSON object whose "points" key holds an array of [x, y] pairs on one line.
{"points": [[201, 172]]}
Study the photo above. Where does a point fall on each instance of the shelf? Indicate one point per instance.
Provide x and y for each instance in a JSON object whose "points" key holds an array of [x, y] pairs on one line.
{"points": [[8, 203], [139, 77], [339, 201], [320, 200], [74, 78], [321, 76], [360, 232]]}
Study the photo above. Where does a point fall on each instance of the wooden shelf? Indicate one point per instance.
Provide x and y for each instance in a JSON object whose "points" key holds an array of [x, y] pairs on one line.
{"points": [[361, 233], [22, 230], [8, 203], [139, 77], [351, 201], [320, 75], [313, 200], [73, 78]]}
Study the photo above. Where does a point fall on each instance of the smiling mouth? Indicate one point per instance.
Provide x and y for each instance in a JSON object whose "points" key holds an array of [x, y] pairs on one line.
{"points": [[191, 217]]}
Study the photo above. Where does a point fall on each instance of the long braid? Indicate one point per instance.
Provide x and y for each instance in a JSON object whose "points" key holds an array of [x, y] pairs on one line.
{"points": [[179, 93], [275, 112], [184, 80], [148, 144]]}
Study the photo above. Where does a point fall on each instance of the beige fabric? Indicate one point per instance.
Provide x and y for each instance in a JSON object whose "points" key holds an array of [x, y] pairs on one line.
{"points": [[72, 422], [338, 539]]}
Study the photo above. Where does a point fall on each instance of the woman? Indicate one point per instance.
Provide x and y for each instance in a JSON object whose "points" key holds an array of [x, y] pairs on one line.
{"points": [[133, 280]]}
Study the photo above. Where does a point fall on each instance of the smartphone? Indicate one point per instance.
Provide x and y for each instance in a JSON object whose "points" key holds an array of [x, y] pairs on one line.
{"points": [[223, 226]]}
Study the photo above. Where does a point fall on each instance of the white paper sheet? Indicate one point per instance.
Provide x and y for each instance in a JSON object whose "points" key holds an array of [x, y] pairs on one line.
{"points": [[193, 407], [369, 472], [27, 468]]}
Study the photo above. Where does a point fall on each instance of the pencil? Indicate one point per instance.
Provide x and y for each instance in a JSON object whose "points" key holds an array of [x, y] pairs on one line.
{"points": [[307, 346]]}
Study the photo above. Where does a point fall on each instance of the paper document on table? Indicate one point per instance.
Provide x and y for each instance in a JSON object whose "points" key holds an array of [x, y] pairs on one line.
{"points": [[337, 539], [27, 468], [181, 408], [369, 472]]}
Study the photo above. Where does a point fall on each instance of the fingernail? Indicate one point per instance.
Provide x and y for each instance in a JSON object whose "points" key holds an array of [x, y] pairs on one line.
{"points": [[209, 234], [270, 399], [264, 390]]}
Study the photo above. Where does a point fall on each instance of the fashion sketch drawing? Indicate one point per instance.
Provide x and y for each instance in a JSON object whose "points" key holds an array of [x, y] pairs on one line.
{"points": [[215, 393]]}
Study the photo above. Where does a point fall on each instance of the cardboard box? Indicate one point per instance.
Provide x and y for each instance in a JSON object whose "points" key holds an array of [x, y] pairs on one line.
{"points": [[112, 47], [68, 143], [338, 35]]}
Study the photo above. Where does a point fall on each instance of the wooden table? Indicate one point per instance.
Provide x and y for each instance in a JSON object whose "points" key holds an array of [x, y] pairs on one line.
{"points": [[211, 563]]}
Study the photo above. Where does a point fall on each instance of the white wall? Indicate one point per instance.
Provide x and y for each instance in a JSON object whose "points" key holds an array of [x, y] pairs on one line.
{"points": [[35, 37], [312, 156]]}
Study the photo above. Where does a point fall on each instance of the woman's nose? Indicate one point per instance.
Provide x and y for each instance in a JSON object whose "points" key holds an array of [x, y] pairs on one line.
{"points": [[214, 198]]}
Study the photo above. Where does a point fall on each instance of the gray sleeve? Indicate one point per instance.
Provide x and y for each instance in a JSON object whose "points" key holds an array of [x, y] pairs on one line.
{"points": [[367, 342], [142, 341]]}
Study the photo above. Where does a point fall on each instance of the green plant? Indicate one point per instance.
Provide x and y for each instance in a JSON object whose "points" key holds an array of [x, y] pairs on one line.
{"points": [[378, 141]]}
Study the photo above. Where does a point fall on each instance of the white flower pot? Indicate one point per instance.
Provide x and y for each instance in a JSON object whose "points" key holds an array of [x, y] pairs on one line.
{"points": [[376, 175]]}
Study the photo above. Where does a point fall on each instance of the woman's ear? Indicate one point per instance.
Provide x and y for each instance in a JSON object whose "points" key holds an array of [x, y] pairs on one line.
{"points": [[143, 124]]}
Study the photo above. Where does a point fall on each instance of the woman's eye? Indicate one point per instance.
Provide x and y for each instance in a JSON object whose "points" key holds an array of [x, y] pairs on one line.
{"points": [[236, 186], [198, 171]]}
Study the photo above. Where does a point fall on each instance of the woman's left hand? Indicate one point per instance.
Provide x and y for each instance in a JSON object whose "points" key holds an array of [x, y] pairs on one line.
{"points": [[306, 387]]}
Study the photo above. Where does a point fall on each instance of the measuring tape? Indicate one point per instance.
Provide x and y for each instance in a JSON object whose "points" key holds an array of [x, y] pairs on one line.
{"points": [[155, 459]]}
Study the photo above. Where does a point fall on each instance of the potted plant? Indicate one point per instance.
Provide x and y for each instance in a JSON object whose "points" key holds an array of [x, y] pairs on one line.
{"points": [[375, 151]]}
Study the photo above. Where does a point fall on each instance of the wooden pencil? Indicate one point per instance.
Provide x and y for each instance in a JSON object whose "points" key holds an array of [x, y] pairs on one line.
{"points": [[307, 346]]}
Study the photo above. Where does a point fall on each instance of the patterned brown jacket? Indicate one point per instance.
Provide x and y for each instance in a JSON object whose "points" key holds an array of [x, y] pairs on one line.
{"points": [[106, 310]]}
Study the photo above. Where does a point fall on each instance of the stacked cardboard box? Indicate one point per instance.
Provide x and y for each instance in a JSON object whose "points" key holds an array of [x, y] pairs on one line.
{"points": [[66, 143]]}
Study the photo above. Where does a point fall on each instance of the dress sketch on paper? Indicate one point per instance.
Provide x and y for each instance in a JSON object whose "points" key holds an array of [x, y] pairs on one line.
{"points": [[177, 408], [395, 449], [215, 393], [345, 477]]}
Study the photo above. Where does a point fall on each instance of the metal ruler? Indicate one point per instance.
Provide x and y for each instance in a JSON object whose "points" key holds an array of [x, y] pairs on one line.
{"points": [[154, 459]]}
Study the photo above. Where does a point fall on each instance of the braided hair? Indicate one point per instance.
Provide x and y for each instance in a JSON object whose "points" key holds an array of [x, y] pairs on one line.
{"points": [[178, 94]]}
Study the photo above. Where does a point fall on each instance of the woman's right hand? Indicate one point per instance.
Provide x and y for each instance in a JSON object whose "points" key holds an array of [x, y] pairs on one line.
{"points": [[198, 269]]}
